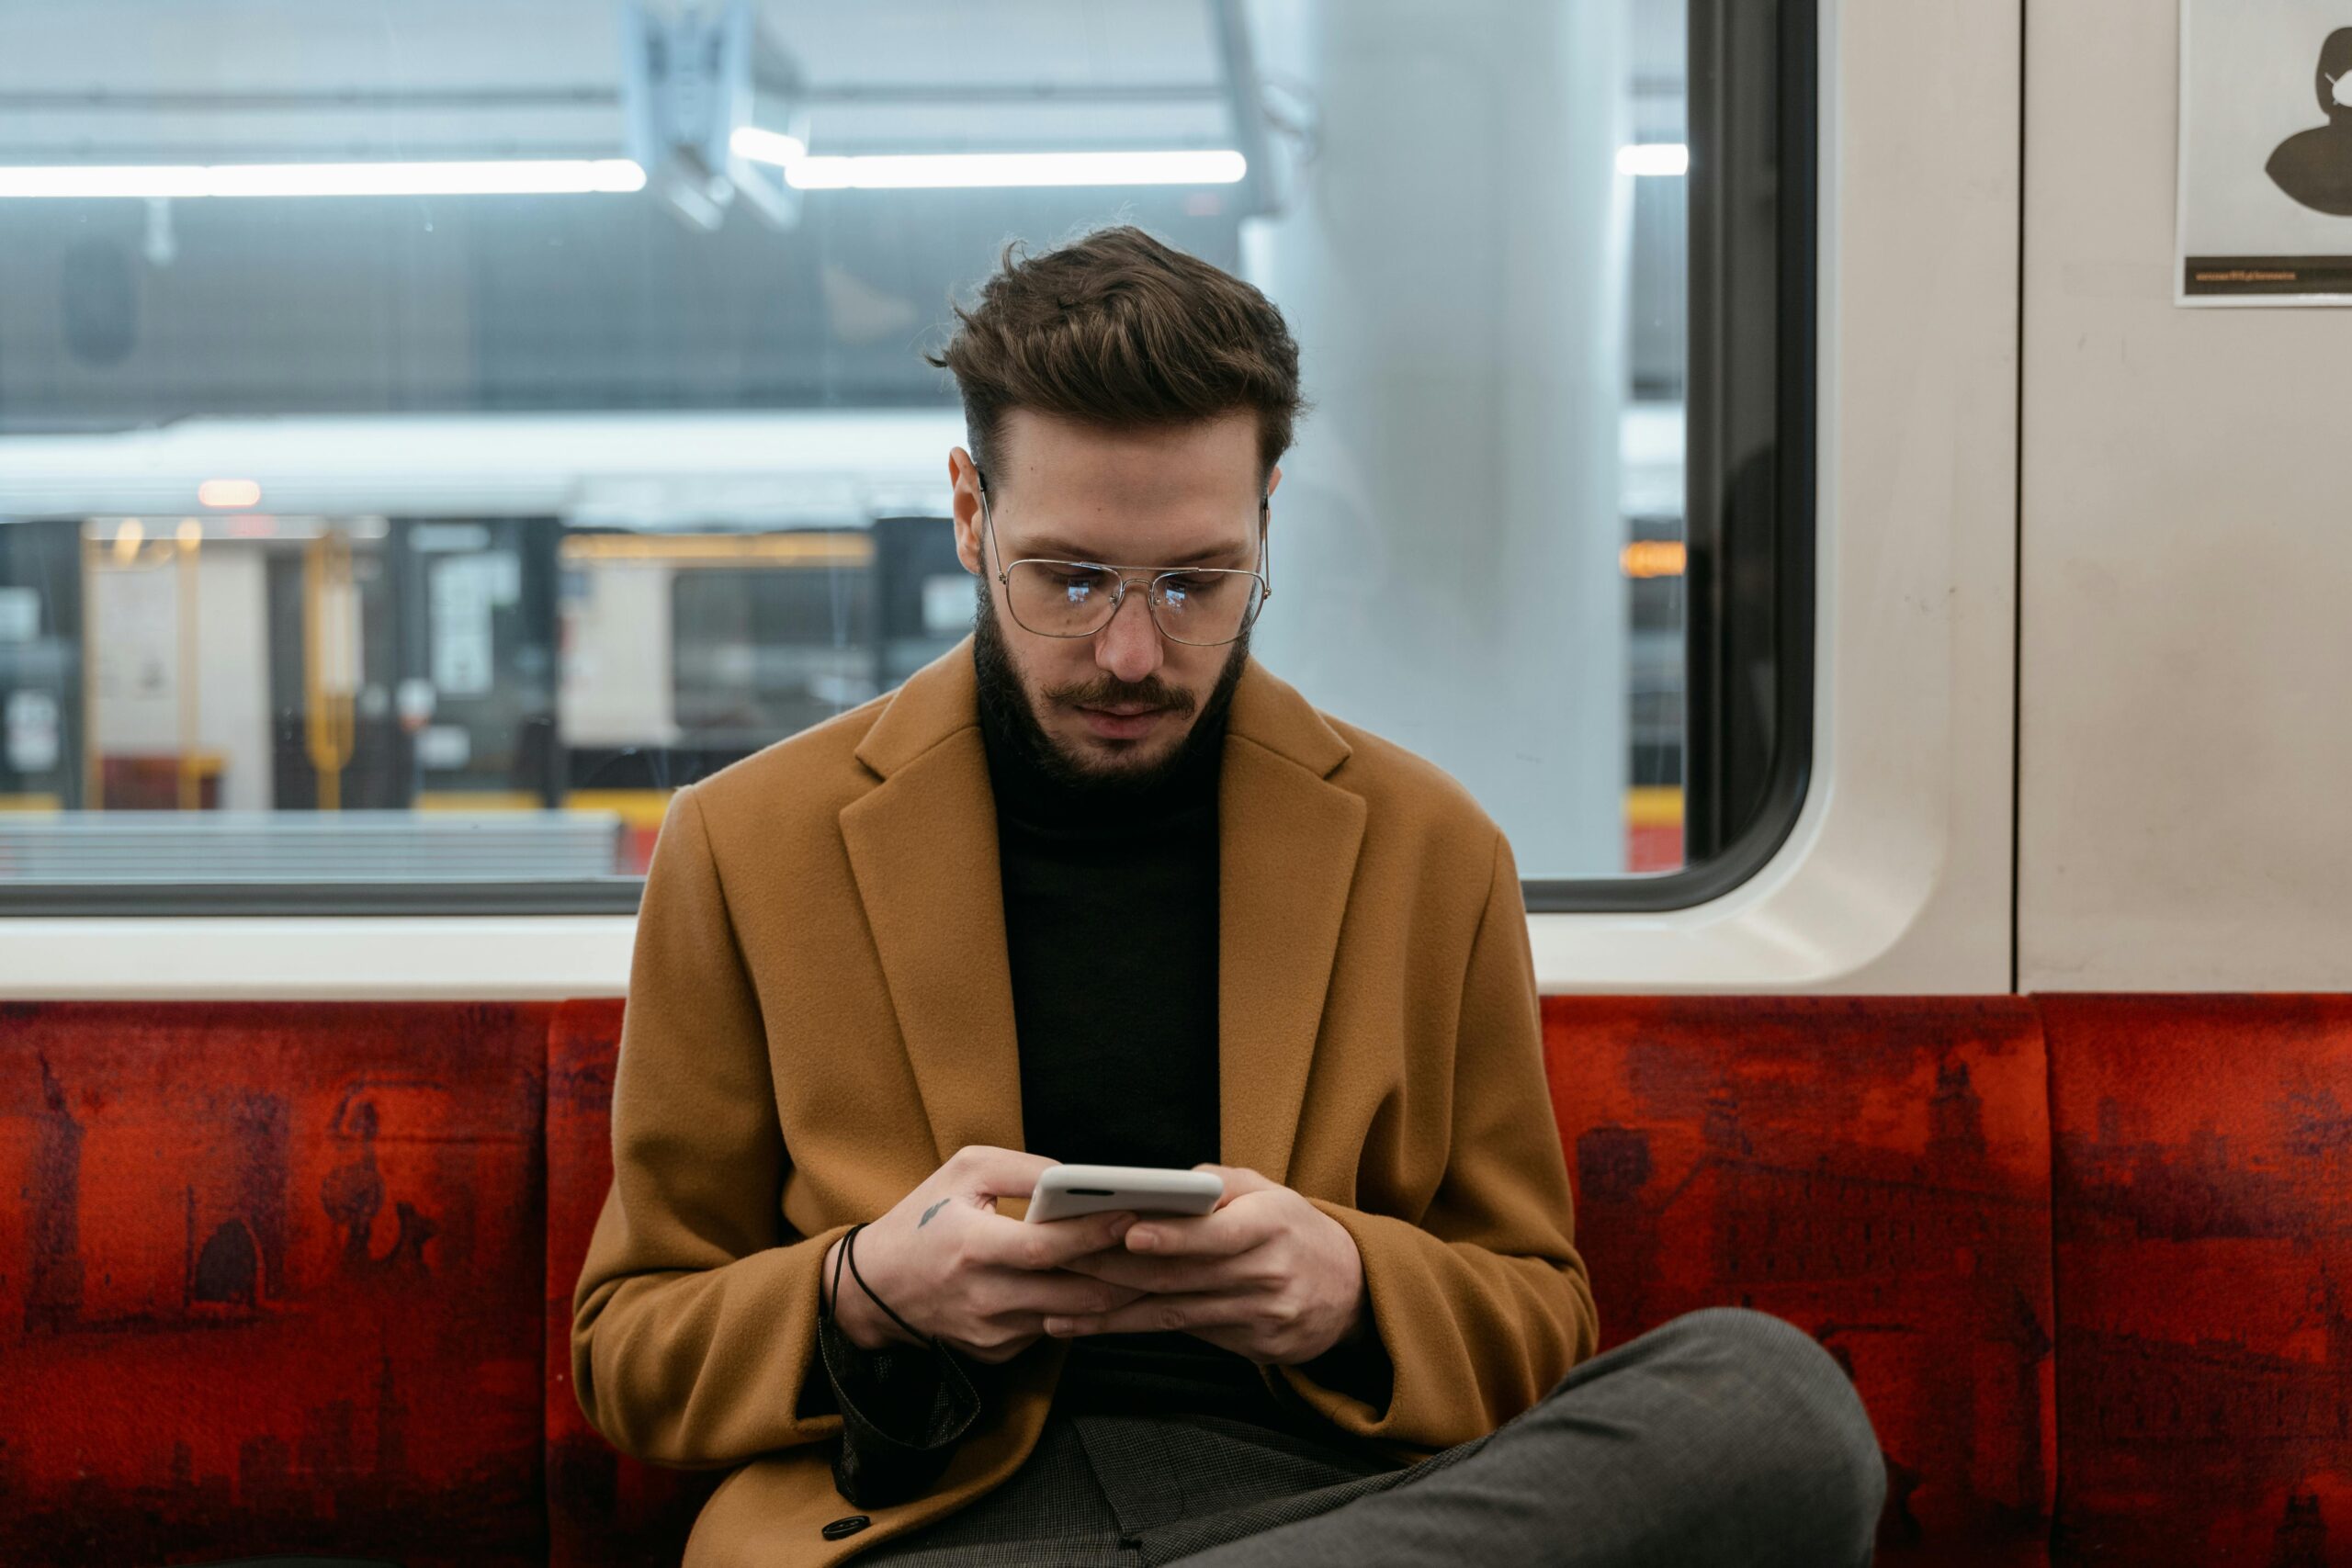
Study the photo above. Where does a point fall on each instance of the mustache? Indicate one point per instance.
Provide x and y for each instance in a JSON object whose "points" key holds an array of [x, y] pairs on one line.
{"points": [[1109, 691]]}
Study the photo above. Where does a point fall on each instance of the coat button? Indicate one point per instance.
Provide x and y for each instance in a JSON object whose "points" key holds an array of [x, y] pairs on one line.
{"points": [[849, 1526]]}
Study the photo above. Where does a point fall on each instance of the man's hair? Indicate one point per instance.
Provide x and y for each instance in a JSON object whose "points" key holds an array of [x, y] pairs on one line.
{"points": [[1118, 331]]}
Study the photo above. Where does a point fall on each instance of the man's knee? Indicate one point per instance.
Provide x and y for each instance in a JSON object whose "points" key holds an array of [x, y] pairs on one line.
{"points": [[1817, 1427]]}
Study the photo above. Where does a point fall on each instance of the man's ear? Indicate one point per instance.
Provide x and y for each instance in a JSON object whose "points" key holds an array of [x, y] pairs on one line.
{"points": [[964, 475], [1273, 479]]}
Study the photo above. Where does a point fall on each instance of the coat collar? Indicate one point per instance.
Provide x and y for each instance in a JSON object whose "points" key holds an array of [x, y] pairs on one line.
{"points": [[922, 846]]}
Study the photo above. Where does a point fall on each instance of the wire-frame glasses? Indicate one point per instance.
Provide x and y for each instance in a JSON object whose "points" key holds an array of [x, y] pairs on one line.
{"points": [[1200, 606]]}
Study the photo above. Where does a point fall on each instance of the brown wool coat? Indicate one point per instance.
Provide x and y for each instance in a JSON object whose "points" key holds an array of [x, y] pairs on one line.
{"points": [[819, 1013]]}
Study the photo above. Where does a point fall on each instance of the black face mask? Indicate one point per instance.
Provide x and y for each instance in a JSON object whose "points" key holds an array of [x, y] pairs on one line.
{"points": [[1005, 707], [922, 1391]]}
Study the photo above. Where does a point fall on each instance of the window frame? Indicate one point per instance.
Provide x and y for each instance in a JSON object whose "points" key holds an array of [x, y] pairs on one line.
{"points": [[1722, 856], [1725, 856]]}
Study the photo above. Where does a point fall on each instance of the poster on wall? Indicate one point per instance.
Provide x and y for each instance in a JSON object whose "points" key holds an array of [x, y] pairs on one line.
{"points": [[2266, 152]]}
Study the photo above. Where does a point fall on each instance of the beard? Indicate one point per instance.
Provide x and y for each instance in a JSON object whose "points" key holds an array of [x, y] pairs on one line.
{"points": [[1006, 702]]}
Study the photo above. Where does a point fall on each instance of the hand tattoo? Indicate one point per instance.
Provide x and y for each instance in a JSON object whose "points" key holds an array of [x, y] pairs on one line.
{"points": [[928, 1212]]}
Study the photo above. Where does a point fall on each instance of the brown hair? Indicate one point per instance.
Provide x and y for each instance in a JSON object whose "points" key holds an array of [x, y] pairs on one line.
{"points": [[1118, 330]]}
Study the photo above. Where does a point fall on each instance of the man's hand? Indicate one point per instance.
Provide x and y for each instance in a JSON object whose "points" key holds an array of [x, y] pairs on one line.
{"points": [[1267, 1275], [954, 1267]]}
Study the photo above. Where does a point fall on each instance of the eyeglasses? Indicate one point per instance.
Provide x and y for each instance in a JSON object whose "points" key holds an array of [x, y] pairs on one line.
{"points": [[1200, 606]]}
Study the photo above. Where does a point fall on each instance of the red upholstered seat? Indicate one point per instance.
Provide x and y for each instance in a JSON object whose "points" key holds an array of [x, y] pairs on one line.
{"points": [[1876, 1172], [2204, 1206], [297, 1278], [270, 1282], [602, 1506]]}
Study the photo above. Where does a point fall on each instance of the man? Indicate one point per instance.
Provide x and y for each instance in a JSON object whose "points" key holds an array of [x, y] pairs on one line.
{"points": [[1095, 887]]}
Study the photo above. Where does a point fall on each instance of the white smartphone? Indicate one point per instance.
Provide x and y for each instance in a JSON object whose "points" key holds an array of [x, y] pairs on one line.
{"points": [[1064, 1191]]}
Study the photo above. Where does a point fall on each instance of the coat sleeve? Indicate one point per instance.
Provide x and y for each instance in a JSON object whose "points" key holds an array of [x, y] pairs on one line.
{"points": [[695, 1321], [1480, 1303]]}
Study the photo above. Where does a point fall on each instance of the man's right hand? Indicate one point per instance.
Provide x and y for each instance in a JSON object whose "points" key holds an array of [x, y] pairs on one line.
{"points": [[956, 1270]]}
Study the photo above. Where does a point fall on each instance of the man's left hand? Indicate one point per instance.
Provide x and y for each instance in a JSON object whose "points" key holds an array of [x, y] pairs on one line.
{"points": [[1267, 1274]]}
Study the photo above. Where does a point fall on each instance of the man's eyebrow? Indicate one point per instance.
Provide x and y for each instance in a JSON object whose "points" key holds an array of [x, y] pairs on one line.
{"points": [[1061, 549]]}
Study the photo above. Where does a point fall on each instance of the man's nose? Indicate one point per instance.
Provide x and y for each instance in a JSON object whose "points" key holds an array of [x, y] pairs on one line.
{"points": [[1129, 647]]}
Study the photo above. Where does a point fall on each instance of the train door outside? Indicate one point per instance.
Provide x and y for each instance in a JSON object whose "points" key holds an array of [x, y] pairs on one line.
{"points": [[336, 742], [41, 665], [475, 690]]}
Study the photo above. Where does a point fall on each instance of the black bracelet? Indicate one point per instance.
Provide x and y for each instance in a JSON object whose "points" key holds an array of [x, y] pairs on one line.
{"points": [[849, 1256]]}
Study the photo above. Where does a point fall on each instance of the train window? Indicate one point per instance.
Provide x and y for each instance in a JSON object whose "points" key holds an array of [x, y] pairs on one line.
{"points": [[425, 444]]}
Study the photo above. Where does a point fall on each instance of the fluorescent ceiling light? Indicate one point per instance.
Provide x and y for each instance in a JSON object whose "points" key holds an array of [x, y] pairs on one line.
{"points": [[766, 146], [1654, 158], [547, 176], [915, 170]]}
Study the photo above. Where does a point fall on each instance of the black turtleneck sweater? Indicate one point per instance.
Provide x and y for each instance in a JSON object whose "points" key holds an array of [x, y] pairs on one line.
{"points": [[1110, 922], [1111, 932]]}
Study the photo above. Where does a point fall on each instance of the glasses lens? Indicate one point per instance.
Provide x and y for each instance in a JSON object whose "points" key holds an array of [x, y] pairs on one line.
{"points": [[1061, 598], [1206, 608]]}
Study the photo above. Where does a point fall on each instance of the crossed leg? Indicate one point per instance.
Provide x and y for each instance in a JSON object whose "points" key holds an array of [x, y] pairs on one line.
{"points": [[1723, 1436]]}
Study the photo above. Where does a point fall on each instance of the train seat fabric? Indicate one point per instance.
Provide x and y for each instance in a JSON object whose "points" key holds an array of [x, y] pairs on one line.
{"points": [[1877, 1173], [602, 1507], [2204, 1273], [270, 1282], [283, 1278]]}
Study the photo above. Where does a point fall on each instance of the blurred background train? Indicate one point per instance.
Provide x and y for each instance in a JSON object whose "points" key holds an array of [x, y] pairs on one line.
{"points": [[240, 659], [494, 664], [1764, 449]]}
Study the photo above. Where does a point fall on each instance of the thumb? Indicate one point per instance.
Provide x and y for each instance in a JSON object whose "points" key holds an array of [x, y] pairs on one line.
{"points": [[982, 1171], [1238, 1179]]}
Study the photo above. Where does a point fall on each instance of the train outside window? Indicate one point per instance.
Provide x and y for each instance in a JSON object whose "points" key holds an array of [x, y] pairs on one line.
{"points": [[426, 446]]}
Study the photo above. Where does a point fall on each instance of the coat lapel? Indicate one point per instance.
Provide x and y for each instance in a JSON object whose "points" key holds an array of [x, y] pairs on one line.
{"points": [[1286, 859], [922, 846]]}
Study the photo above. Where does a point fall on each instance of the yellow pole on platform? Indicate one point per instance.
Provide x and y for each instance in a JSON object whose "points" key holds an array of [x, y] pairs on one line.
{"points": [[329, 638], [188, 544], [93, 792]]}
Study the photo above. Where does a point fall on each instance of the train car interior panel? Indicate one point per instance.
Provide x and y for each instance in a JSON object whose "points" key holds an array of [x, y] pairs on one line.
{"points": [[1758, 450]]}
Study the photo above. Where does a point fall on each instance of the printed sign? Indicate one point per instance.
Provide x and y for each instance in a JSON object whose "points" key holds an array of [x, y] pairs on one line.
{"points": [[444, 747], [33, 731], [463, 597], [19, 615], [2266, 152]]}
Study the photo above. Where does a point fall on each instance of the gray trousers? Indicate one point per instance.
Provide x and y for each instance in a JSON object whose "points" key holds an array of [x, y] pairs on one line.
{"points": [[1725, 1438]]}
